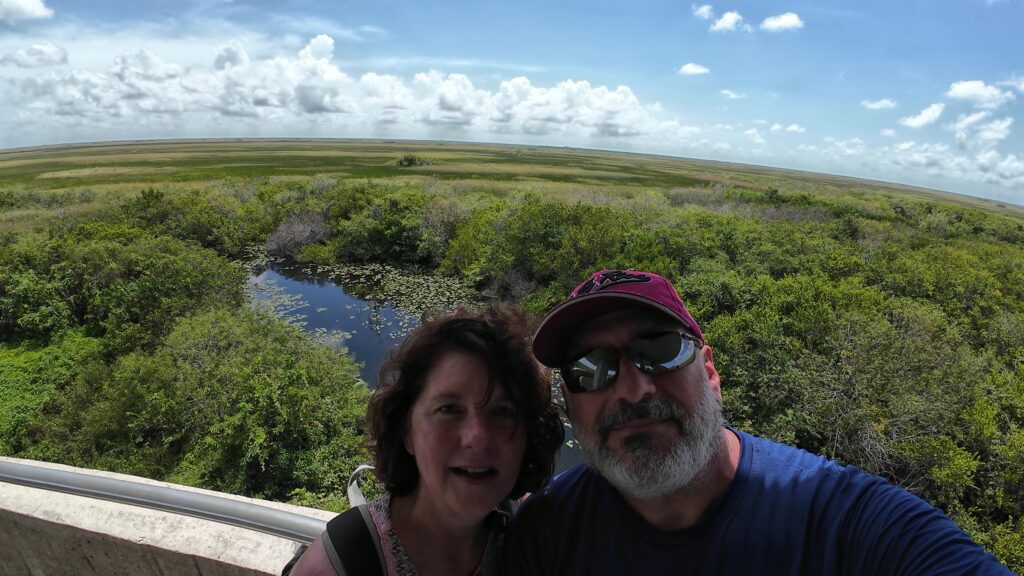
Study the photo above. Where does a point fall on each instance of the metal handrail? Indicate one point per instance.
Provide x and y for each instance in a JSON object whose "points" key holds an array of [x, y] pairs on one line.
{"points": [[205, 506]]}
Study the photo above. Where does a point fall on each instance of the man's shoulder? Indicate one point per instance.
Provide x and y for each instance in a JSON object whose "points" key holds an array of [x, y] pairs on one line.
{"points": [[768, 458], [824, 488], [765, 448]]}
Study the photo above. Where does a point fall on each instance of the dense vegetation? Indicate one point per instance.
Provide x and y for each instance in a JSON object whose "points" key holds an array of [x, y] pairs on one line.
{"points": [[882, 330], [127, 346]]}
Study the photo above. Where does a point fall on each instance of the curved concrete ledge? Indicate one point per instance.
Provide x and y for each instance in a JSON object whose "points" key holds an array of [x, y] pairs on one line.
{"points": [[48, 533]]}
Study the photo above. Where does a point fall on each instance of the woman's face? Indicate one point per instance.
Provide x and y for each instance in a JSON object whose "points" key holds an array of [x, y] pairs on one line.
{"points": [[468, 455]]}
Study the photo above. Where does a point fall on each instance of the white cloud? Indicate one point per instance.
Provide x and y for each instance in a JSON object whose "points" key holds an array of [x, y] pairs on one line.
{"points": [[733, 95], [839, 149], [776, 127], [1017, 82], [11, 10], [966, 121], [1008, 168], [991, 134], [230, 55], [883, 104], [144, 65], [36, 55], [144, 95], [983, 95], [704, 11], [929, 163], [319, 48], [787, 21], [692, 69], [927, 116], [755, 135], [988, 166], [888, 133], [727, 23], [373, 30], [972, 135], [456, 102]]}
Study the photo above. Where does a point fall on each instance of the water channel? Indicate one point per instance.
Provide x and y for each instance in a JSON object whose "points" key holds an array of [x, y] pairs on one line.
{"points": [[366, 309], [367, 328]]}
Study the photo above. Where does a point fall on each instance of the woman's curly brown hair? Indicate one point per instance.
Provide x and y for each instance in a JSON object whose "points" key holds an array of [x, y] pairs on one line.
{"points": [[499, 335]]}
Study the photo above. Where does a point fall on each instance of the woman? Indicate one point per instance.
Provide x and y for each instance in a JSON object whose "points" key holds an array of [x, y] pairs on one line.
{"points": [[461, 420]]}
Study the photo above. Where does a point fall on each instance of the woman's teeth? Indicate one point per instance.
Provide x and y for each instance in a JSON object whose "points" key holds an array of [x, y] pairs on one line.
{"points": [[475, 472]]}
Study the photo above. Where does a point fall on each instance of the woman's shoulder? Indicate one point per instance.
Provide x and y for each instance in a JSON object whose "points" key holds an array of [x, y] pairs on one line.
{"points": [[380, 511], [396, 559]]}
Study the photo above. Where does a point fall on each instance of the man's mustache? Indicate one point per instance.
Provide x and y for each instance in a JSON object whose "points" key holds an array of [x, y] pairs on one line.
{"points": [[649, 408]]}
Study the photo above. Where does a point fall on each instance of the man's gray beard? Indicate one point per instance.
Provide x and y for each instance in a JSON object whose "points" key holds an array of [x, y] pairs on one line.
{"points": [[644, 473]]}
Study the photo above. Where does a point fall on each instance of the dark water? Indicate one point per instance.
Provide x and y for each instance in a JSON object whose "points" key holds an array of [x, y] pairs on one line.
{"points": [[367, 328]]}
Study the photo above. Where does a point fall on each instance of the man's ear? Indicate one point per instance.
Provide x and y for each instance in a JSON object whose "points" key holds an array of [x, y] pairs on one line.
{"points": [[714, 379]]}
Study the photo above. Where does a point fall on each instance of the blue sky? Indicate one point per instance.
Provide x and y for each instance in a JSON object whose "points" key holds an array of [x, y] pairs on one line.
{"points": [[924, 93]]}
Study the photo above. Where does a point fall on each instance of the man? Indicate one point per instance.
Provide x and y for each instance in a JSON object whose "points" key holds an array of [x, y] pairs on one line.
{"points": [[671, 490]]}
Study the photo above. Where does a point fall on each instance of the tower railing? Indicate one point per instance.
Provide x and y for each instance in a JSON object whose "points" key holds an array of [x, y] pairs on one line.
{"points": [[169, 499]]}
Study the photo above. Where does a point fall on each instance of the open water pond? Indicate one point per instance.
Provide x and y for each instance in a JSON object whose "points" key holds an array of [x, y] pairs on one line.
{"points": [[367, 328], [367, 309]]}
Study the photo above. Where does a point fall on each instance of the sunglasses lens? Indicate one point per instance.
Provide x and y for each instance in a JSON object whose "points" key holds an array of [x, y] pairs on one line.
{"points": [[594, 371], [652, 355], [662, 352]]}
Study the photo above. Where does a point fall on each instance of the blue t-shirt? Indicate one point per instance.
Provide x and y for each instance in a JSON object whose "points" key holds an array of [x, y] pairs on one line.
{"points": [[786, 512]]}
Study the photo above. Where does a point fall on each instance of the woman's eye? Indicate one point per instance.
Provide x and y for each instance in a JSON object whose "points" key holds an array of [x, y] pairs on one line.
{"points": [[506, 412], [448, 409]]}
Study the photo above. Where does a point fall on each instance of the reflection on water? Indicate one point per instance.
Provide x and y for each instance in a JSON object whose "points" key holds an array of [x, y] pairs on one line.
{"points": [[367, 328]]}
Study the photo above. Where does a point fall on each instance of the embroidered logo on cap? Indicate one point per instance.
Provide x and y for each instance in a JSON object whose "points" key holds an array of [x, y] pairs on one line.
{"points": [[608, 279]]}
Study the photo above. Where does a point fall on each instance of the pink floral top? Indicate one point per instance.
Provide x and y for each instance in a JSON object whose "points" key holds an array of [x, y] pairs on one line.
{"points": [[397, 559]]}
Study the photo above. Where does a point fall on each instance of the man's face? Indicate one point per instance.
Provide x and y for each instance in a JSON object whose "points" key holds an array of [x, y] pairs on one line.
{"points": [[649, 435]]}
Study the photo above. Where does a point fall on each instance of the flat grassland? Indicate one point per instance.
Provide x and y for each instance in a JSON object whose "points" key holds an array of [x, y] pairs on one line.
{"points": [[108, 170]]}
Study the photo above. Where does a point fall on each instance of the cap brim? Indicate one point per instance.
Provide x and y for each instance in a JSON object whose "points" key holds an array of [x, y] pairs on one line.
{"points": [[551, 340]]}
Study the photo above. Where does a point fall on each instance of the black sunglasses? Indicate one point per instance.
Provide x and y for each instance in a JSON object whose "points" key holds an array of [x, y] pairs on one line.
{"points": [[651, 354]]}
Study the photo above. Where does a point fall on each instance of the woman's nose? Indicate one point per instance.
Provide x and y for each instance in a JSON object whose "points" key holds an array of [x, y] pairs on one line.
{"points": [[475, 431]]}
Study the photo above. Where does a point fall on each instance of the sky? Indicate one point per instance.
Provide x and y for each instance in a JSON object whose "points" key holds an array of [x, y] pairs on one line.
{"points": [[917, 92]]}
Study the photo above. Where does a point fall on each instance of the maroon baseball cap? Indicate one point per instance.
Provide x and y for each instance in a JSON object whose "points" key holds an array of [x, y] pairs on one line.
{"points": [[606, 291]]}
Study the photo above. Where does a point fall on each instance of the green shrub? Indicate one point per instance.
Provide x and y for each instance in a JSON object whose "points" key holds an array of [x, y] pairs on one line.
{"points": [[30, 378], [411, 161], [114, 281], [231, 401], [322, 254], [515, 247], [388, 229]]}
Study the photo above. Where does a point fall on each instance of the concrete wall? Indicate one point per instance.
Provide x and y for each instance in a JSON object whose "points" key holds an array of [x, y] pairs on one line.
{"points": [[44, 533]]}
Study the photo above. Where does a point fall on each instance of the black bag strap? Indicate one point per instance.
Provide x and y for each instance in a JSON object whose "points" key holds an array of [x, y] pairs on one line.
{"points": [[351, 540], [501, 517]]}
